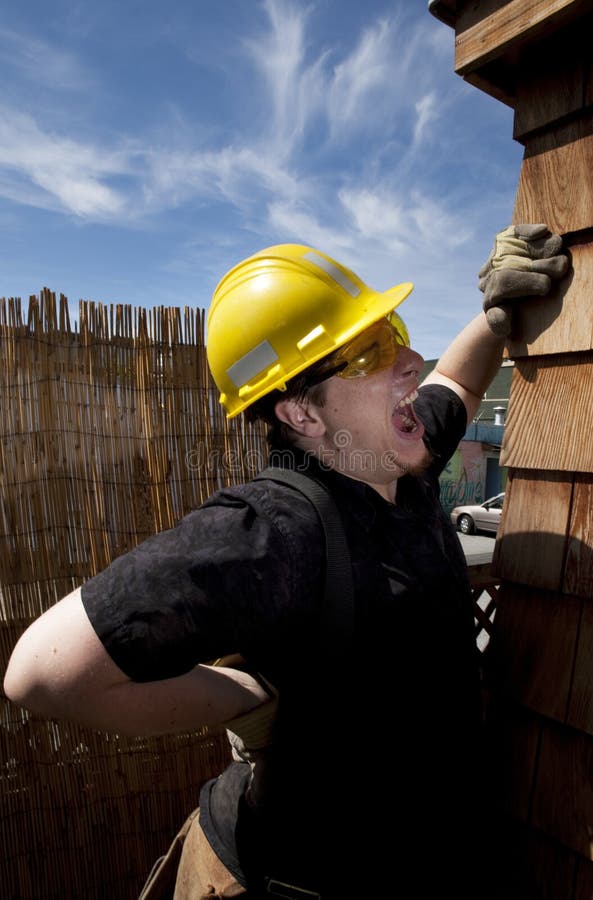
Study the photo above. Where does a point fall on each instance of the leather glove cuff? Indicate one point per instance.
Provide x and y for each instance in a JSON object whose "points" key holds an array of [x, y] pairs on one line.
{"points": [[254, 728]]}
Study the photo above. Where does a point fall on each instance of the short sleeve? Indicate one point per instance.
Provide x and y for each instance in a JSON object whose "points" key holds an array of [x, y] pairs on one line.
{"points": [[220, 582], [444, 417]]}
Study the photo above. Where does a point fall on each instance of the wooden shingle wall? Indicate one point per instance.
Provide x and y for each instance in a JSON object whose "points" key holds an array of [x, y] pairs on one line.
{"points": [[538, 57]]}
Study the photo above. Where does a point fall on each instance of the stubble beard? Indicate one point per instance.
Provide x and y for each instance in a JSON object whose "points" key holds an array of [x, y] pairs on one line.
{"points": [[418, 468]]}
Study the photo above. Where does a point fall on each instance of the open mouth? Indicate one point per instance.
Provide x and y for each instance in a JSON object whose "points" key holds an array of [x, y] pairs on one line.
{"points": [[404, 417]]}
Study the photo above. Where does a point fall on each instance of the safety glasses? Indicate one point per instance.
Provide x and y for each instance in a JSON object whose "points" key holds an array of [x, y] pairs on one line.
{"points": [[373, 349]]}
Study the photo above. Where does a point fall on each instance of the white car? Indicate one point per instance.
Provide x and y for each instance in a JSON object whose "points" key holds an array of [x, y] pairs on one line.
{"points": [[481, 517]]}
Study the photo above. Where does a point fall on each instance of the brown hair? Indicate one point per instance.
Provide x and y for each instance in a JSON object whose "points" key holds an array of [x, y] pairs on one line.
{"points": [[307, 386]]}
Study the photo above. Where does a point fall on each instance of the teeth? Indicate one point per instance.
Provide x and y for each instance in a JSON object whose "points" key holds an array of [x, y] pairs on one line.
{"points": [[407, 400], [409, 424]]}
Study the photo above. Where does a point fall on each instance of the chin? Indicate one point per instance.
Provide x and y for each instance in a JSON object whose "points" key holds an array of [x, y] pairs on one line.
{"points": [[415, 466]]}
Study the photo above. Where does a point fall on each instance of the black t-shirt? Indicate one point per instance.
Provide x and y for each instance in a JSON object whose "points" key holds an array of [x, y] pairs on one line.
{"points": [[390, 730]]}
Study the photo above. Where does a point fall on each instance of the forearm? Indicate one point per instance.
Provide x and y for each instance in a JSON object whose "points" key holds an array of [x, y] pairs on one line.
{"points": [[470, 362], [60, 669], [204, 696]]}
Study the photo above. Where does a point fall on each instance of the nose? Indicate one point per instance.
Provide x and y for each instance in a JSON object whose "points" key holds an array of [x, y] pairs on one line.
{"points": [[408, 363]]}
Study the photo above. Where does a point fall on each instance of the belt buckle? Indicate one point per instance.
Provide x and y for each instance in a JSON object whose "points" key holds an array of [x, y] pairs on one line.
{"points": [[289, 891]]}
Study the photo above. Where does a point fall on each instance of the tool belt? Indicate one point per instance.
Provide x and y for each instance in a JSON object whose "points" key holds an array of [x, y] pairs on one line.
{"points": [[160, 883]]}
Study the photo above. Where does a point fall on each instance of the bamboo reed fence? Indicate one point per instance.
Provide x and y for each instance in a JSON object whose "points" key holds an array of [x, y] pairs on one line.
{"points": [[109, 431]]}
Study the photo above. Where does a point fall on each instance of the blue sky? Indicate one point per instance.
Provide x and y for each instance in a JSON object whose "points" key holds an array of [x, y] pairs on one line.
{"points": [[146, 147]]}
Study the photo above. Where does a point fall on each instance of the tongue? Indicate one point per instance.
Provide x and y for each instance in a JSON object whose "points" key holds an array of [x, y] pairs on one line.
{"points": [[405, 419]]}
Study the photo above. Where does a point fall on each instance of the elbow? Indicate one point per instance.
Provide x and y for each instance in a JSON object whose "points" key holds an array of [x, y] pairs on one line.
{"points": [[47, 670], [11, 685], [36, 677], [15, 691], [23, 684]]}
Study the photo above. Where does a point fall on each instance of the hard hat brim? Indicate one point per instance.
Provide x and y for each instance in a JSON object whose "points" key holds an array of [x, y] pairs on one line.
{"points": [[378, 304], [398, 294]]}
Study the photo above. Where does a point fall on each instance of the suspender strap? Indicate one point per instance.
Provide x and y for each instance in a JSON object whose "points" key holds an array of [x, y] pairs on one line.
{"points": [[338, 607]]}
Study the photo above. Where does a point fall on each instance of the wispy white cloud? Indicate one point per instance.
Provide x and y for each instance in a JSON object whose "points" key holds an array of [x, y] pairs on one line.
{"points": [[378, 217], [42, 62], [57, 172], [333, 145], [426, 112], [382, 212], [301, 88], [240, 175], [298, 222], [125, 182], [279, 54], [377, 85], [294, 88], [358, 77], [436, 225]]}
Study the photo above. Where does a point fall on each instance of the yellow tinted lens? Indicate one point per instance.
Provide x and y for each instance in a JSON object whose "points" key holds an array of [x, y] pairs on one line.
{"points": [[372, 350], [398, 326]]}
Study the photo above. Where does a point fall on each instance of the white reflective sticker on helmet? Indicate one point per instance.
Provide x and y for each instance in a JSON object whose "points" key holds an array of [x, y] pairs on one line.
{"points": [[261, 357], [333, 270]]}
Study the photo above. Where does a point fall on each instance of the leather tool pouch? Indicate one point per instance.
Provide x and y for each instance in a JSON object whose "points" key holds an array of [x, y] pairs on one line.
{"points": [[160, 884]]}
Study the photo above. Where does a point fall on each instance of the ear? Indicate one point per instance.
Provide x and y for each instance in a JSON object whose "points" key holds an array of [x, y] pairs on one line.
{"points": [[302, 417]]}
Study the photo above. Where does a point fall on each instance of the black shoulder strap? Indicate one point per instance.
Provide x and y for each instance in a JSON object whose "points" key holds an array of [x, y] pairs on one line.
{"points": [[338, 613]]}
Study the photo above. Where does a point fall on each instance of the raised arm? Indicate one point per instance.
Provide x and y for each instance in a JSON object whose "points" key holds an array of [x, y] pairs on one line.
{"points": [[470, 363], [60, 669], [523, 262]]}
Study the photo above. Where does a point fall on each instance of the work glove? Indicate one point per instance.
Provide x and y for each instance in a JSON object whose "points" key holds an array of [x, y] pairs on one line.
{"points": [[253, 731], [251, 737], [250, 732], [523, 262]]}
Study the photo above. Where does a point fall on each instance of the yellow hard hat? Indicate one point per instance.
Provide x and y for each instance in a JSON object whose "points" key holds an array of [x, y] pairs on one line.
{"points": [[279, 311]]}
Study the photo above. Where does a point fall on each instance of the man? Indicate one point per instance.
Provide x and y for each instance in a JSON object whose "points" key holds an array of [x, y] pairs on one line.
{"points": [[364, 782]]}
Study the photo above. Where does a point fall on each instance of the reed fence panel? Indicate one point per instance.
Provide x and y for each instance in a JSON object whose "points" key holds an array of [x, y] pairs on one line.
{"points": [[110, 430]]}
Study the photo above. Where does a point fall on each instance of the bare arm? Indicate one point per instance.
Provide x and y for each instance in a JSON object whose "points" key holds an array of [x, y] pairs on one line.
{"points": [[60, 669], [470, 363]]}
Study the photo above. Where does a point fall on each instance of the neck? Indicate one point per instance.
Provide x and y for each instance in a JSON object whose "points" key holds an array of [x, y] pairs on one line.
{"points": [[387, 491], [333, 460]]}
